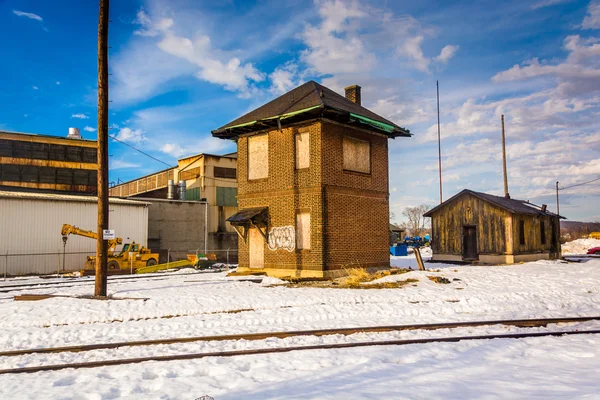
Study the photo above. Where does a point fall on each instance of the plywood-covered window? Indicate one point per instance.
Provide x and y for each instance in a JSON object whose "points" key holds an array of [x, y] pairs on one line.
{"points": [[302, 150], [303, 230], [542, 232], [357, 155], [258, 157], [521, 232]]}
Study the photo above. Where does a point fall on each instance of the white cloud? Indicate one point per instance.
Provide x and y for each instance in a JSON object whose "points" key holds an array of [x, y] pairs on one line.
{"points": [[172, 149], [122, 164], [333, 46], [231, 73], [28, 15], [80, 116], [35, 88], [150, 27], [89, 129], [592, 19], [284, 79], [412, 50], [447, 53], [547, 3], [129, 135]]}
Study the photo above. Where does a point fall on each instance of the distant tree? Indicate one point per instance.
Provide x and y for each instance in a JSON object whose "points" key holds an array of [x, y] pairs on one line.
{"points": [[416, 223]]}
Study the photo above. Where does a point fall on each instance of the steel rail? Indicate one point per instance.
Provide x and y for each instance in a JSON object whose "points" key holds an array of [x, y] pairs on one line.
{"points": [[522, 323], [95, 364]]}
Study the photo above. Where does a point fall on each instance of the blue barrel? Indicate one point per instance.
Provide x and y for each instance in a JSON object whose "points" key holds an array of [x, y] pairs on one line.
{"points": [[399, 250]]}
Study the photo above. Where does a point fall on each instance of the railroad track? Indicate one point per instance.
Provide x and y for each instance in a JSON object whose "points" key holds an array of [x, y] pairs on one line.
{"points": [[72, 282], [523, 323]]}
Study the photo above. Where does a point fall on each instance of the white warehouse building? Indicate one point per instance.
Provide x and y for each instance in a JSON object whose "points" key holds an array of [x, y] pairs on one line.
{"points": [[30, 225]]}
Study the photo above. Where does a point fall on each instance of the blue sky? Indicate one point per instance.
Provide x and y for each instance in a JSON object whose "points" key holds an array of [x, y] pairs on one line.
{"points": [[182, 68]]}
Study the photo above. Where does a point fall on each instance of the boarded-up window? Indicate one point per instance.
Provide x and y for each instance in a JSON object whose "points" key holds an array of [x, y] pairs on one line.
{"points": [[521, 232], [226, 196], [258, 157], [357, 155], [542, 232], [222, 172], [302, 150], [303, 230]]}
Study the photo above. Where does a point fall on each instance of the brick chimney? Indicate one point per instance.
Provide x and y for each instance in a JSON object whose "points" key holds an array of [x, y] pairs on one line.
{"points": [[353, 93]]}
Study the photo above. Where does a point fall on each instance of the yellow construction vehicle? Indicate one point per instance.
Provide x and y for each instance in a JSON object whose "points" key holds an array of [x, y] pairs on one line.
{"points": [[131, 256]]}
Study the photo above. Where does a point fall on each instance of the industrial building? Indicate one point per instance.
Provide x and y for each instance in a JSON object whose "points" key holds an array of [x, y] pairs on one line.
{"points": [[31, 240], [48, 163], [480, 227], [313, 183], [189, 205]]}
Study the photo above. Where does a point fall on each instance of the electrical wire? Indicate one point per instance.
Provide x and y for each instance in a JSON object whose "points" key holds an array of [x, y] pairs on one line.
{"points": [[140, 151], [579, 184]]}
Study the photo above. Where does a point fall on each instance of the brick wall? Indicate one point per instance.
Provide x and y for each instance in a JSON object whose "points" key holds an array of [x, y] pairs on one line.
{"points": [[349, 211]]}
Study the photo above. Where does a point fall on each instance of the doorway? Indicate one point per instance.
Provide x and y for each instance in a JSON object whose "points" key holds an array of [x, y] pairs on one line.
{"points": [[256, 249], [470, 243]]}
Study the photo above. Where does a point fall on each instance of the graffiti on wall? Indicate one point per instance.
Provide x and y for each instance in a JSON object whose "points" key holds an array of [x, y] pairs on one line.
{"points": [[282, 237]]}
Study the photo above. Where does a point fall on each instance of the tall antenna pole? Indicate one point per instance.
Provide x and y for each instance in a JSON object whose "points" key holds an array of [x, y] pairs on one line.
{"points": [[437, 85], [504, 161], [557, 207], [101, 244]]}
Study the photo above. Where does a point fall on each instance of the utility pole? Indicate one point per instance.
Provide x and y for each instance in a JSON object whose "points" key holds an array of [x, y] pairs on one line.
{"points": [[437, 85], [101, 244], [504, 161], [557, 207]]}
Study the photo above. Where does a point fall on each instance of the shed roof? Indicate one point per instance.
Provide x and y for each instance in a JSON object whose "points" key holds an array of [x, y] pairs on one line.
{"points": [[513, 206], [64, 197], [307, 101]]}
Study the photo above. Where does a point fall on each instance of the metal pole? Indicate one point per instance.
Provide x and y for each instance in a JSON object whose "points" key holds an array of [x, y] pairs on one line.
{"points": [[64, 254], [168, 257], [439, 138], [101, 244], [5, 264], [504, 161], [205, 226], [228, 256], [557, 205]]}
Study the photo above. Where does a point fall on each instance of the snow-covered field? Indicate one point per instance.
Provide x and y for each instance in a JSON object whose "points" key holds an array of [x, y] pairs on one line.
{"points": [[197, 304], [579, 246]]}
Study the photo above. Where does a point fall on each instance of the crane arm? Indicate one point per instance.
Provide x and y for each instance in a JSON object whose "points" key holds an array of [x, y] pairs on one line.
{"points": [[73, 230]]}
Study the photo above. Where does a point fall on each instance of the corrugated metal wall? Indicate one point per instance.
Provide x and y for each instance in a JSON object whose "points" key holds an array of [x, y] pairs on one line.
{"points": [[31, 227]]}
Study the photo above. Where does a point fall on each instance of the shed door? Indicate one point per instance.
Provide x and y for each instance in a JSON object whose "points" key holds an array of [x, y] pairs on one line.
{"points": [[470, 243], [256, 248]]}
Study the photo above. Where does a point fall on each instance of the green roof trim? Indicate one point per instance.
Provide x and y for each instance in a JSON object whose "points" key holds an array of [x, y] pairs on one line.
{"points": [[376, 124], [282, 116]]}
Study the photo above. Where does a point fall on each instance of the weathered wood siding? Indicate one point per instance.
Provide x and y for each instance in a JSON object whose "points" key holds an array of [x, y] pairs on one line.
{"points": [[490, 221], [533, 236]]}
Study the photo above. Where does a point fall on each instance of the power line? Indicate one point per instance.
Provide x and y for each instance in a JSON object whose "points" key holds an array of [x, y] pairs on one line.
{"points": [[140, 151], [579, 184]]}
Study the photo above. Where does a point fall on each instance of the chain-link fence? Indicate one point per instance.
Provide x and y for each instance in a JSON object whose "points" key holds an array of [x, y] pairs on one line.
{"points": [[15, 264]]}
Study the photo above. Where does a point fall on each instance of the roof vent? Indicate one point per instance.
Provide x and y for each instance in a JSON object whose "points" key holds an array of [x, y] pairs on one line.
{"points": [[353, 93], [544, 208], [74, 133]]}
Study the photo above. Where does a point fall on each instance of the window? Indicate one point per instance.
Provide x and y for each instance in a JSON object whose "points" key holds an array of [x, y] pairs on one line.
{"points": [[258, 157], [522, 232], [357, 155], [302, 150], [542, 232], [226, 196], [303, 230], [228, 173]]}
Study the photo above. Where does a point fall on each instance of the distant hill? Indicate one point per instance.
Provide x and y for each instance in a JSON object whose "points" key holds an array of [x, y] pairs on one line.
{"points": [[572, 230]]}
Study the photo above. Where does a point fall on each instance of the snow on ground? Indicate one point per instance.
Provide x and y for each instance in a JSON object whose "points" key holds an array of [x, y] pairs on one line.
{"points": [[197, 304], [579, 246]]}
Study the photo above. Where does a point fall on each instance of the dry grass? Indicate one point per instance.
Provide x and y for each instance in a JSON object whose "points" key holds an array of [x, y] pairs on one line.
{"points": [[355, 278], [439, 279]]}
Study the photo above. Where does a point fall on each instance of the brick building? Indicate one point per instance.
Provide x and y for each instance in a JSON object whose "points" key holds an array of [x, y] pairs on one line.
{"points": [[43, 163], [312, 183]]}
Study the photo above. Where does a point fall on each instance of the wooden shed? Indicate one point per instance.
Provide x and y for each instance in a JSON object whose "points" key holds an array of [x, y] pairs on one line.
{"points": [[480, 227]]}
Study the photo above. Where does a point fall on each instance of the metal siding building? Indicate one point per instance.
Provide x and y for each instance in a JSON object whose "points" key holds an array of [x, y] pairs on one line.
{"points": [[30, 224]]}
